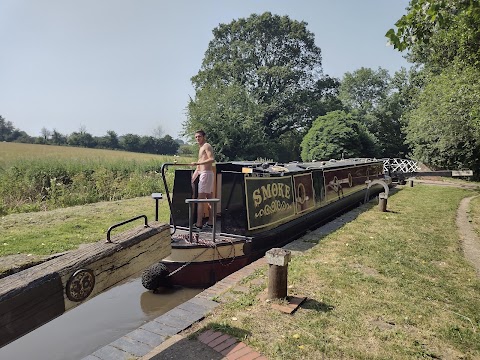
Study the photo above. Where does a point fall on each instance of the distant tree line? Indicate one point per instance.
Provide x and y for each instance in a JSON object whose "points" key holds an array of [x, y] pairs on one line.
{"points": [[165, 145]]}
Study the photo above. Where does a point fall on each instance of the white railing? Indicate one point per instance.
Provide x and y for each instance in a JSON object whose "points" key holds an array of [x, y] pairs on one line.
{"points": [[400, 165]]}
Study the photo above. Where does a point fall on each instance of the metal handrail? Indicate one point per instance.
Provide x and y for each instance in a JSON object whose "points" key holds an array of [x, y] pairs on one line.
{"points": [[170, 206], [191, 203], [123, 223]]}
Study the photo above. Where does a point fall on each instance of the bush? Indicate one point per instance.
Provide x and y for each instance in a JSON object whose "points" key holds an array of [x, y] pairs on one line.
{"points": [[337, 135]]}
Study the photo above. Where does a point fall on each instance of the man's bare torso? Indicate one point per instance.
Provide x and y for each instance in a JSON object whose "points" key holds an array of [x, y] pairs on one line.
{"points": [[202, 156]]}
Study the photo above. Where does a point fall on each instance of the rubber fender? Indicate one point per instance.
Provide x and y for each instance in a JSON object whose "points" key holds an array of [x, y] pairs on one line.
{"points": [[155, 276]]}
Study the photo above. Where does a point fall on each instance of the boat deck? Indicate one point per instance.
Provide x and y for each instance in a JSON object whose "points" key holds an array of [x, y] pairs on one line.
{"points": [[203, 237]]}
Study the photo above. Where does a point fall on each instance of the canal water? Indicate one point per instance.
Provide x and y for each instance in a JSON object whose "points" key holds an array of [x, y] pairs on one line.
{"points": [[96, 323]]}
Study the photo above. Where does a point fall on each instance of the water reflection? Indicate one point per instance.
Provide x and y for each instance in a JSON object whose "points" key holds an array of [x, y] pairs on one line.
{"points": [[101, 320]]}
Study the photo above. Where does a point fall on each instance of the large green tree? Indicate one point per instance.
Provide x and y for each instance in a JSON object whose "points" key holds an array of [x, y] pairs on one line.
{"points": [[272, 63], [337, 135], [230, 116]]}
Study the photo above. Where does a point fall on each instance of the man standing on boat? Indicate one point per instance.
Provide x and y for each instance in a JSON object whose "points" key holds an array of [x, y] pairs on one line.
{"points": [[206, 176]]}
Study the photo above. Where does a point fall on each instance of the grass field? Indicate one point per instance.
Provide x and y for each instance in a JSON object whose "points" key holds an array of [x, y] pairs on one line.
{"points": [[44, 177], [11, 153]]}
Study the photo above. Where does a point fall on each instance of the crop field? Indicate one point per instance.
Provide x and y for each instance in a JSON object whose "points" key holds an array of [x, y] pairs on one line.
{"points": [[44, 177]]}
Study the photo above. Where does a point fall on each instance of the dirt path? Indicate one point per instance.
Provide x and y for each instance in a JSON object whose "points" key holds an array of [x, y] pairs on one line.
{"points": [[469, 239]]}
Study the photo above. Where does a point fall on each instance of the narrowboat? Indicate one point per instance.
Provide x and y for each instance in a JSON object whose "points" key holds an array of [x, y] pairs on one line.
{"points": [[258, 206]]}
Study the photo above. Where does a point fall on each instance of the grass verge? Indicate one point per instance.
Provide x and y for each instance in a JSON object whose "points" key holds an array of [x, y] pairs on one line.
{"points": [[389, 285]]}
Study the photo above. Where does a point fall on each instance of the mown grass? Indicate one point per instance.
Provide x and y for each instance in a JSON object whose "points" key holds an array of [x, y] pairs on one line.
{"points": [[389, 285], [43, 177]]}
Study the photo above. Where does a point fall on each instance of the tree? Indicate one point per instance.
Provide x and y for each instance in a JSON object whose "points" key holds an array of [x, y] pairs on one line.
{"points": [[131, 142], [82, 139], [364, 89], [109, 141], [166, 146], [148, 144], [6, 129], [22, 137], [442, 36], [45, 134], [232, 121], [273, 64], [337, 135], [444, 127], [378, 102], [57, 138], [436, 32]]}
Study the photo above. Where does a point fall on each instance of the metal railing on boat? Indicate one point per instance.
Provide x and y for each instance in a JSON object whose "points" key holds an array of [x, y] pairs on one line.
{"points": [[167, 192], [191, 203]]}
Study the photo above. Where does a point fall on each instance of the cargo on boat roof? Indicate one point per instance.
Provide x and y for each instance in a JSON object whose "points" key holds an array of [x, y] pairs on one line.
{"points": [[295, 166]]}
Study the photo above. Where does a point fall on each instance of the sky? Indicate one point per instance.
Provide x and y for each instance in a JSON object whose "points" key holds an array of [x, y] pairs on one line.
{"points": [[126, 65]]}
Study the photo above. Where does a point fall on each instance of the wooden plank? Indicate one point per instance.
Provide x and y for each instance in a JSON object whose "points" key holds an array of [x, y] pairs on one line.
{"points": [[33, 297]]}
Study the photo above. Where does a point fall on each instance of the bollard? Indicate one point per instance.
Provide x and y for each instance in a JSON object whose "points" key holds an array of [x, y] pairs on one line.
{"points": [[410, 182], [382, 202], [277, 260]]}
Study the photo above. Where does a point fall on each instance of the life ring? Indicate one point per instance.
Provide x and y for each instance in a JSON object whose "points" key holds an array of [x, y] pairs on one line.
{"points": [[155, 276]]}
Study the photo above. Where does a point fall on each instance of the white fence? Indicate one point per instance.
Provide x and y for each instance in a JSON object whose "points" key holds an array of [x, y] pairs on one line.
{"points": [[400, 165]]}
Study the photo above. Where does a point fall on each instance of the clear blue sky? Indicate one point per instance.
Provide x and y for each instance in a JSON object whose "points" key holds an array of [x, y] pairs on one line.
{"points": [[125, 65]]}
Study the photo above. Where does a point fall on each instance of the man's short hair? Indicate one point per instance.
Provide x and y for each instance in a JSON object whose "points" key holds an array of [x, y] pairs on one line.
{"points": [[201, 132]]}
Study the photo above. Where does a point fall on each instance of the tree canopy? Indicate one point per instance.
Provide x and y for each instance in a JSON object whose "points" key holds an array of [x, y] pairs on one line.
{"points": [[272, 63], [437, 32], [444, 127], [378, 101], [337, 135], [442, 38]]}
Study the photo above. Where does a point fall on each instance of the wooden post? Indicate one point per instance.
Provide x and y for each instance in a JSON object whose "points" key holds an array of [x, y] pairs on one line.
{"points": [[382, 202], [277, 260], [410, 182]]}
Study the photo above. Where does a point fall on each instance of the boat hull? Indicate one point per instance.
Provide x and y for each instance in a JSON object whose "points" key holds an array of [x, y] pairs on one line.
{"points": [[203, 274]]}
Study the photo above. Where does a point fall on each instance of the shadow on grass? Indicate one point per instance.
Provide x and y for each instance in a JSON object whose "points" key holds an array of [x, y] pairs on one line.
{"points": [[312, 304]]}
